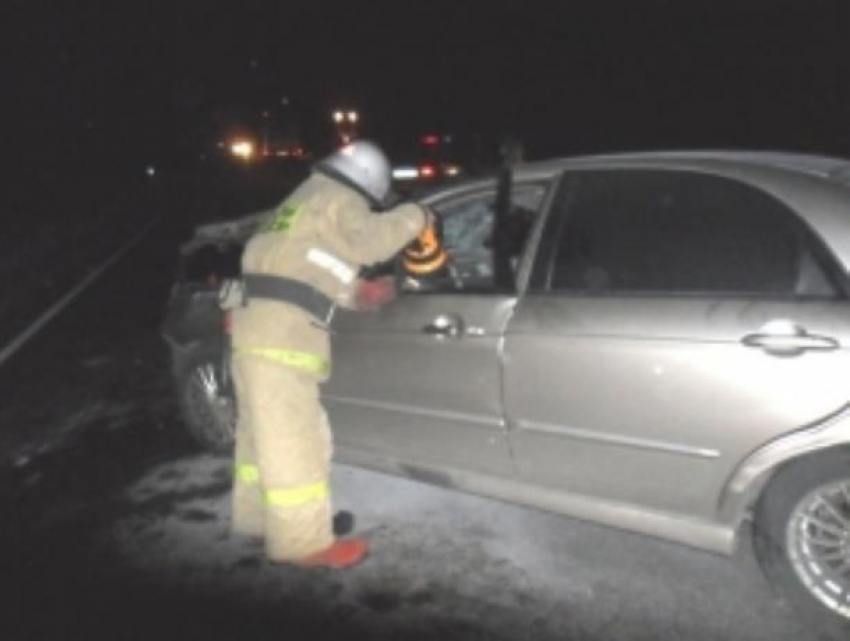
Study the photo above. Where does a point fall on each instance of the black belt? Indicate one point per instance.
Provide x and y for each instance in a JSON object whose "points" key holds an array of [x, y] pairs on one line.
{"points": [[289, 291]]}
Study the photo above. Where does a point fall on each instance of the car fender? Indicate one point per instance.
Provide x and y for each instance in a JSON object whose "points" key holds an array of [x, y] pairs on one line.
{"points": [[752, 475]]}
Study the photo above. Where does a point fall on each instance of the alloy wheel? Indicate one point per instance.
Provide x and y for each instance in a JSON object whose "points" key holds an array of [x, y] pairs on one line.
{"points": [[818, 543], [207, 388]]}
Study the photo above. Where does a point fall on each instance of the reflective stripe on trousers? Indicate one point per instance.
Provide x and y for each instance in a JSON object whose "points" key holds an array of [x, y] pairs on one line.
{"points": [[297, 496], [306, 361], [247, 473], [283, 497]]}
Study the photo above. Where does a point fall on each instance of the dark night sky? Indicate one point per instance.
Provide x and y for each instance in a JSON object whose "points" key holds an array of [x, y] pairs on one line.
{"points": [[128, 83]]}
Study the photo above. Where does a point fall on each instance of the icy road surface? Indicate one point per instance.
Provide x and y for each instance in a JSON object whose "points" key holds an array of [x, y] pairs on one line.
{"points": [[444, 564]]}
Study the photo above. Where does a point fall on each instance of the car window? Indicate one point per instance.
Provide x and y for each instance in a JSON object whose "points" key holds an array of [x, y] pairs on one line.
{"points": [[467, 228], [678, 232]]}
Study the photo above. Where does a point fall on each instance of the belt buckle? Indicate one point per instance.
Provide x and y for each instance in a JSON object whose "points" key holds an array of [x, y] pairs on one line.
{"points": [[325, 323], [330, 315]]}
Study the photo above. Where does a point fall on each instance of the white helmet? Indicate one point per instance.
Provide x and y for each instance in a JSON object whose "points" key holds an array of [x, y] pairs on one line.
{"points": [[361, 165]]}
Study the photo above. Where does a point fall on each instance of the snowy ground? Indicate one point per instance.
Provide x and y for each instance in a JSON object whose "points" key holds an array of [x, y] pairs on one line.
{"points": [[445, 562]]}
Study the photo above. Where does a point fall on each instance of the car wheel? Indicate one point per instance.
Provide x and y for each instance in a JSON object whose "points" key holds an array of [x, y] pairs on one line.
{"points": [[802, 534], [206, 401]]}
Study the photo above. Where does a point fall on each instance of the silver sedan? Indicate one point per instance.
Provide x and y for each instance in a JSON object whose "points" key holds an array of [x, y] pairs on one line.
{"points": [[672, 356]]}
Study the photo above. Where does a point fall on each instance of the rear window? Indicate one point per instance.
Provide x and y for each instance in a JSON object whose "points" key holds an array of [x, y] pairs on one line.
{"points": [[678, 232]]}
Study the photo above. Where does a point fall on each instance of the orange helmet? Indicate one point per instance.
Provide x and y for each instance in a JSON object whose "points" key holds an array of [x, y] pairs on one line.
{"points": [[425, 256]]}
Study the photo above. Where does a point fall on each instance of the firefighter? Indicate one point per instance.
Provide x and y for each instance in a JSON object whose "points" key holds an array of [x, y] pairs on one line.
{"points": [[301, 264]]}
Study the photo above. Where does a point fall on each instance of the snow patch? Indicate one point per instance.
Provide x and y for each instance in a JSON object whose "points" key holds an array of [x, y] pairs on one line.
{"points": [[96, 361], [440, 556], [22, 461], [113, 413]]}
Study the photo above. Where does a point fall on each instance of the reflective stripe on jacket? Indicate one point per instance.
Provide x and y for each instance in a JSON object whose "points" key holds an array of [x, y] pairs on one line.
{"points": [[304, 361]]}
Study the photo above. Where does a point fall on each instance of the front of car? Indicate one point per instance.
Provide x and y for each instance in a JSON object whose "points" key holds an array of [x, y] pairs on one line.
{"points": [[195, 328]]}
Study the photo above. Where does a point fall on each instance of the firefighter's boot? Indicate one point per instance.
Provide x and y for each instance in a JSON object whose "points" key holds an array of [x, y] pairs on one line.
{"points": [[342, 554]]}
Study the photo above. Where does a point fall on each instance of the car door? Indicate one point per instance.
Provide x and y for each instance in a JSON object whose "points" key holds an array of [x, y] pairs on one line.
{"points": [[680, 321], [419, 380]]}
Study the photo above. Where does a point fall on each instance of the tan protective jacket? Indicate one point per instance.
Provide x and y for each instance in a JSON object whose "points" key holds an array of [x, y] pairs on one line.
{"points": [[320, 235]]}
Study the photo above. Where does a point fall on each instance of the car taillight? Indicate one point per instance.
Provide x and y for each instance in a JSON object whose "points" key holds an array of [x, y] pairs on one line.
{"points": [[427, 171]]}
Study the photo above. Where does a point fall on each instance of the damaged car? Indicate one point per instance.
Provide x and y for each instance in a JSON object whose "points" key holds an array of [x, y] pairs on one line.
{"points": [[671, 356]]}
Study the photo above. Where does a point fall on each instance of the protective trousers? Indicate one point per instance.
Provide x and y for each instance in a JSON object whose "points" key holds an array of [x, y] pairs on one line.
{"points": [[282, 459]]}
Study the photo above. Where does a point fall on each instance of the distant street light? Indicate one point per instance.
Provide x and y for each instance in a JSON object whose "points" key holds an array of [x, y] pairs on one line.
{"points": [[243, 149]]}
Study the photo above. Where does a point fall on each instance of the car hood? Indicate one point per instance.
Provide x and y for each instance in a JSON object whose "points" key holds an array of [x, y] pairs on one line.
{"points": [[226, 232]]}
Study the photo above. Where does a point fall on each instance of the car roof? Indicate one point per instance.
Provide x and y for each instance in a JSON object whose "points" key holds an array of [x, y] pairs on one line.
{"points": [[756, 166], [816, 165]]}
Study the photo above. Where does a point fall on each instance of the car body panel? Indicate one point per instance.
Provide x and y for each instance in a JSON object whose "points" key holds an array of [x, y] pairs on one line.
{"points": [[655, 401], [399, 390], [193, 317], [754, 472], [703, 534]]}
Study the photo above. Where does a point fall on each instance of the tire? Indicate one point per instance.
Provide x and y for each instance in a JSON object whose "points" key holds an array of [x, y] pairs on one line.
{"points": [[802, 536], [206, 400]]}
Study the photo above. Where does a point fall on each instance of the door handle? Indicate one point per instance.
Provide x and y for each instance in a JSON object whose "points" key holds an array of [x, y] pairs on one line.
{"points": [[445, 325], [785, 338]]}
